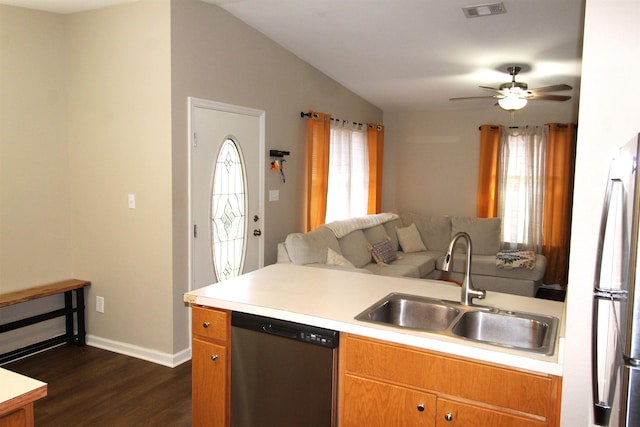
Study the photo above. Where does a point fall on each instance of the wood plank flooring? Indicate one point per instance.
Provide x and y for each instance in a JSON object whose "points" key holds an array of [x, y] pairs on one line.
{"points": [[88, 386]]}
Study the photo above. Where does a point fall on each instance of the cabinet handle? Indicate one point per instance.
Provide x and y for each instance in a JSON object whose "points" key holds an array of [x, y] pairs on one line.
{"points": [[421, 407], [214, 357], [448, 416], [205, 324]]}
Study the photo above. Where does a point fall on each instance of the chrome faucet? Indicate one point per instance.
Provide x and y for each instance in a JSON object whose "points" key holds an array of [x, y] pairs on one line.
{"points": [[468, 292]]}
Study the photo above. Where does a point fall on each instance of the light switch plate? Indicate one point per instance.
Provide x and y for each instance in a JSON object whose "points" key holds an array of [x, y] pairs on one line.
{"points": [[274, 195]]}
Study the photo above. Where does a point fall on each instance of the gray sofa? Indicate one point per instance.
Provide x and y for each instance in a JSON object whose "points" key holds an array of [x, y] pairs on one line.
{"points": [[419, 242]]}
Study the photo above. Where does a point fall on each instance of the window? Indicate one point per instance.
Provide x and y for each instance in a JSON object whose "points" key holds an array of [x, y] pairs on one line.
{"points": [[355, 156], [521, 184], [228, 212], [348, 182]]}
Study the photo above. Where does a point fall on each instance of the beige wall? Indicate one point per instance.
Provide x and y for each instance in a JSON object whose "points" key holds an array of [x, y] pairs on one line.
{"points": [[35, 205], [118, 84], [217, 57], [439, 154], [118, 80], [35, 210]]}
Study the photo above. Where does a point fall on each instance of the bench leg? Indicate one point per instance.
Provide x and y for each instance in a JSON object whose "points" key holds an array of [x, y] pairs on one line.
{"points": [[68, 310], [80, 315]]}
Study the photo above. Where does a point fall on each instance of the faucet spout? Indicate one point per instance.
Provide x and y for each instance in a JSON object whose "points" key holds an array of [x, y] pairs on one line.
{"points": [[468, 292]]}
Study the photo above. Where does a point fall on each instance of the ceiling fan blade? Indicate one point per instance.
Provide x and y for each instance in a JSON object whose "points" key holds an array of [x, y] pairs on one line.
{"points": [[554, 88], [551, 97], [492, 89], [471, 97]]}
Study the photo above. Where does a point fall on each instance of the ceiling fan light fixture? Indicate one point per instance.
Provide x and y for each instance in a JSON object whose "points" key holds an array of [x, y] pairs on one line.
{"points": [[512, 102]]}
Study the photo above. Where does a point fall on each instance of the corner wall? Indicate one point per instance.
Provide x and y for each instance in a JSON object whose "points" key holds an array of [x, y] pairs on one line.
{"points": [[119, 120]]}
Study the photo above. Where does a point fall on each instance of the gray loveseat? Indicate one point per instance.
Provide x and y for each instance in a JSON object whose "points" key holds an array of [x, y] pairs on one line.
{"points": [[419, 243]]}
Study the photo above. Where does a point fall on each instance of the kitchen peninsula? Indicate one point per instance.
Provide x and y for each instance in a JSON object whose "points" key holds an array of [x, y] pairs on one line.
{"points": [[331, 299]]}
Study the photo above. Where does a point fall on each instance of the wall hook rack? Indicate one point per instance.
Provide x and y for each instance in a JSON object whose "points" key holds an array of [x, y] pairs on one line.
{"points": [[277, 162]]}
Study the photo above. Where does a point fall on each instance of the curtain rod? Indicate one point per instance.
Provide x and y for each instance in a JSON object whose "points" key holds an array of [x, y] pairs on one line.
{"points": [[303, 114], [560, 125]]}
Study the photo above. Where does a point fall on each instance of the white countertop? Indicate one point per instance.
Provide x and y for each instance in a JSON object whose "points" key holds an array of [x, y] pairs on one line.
{"points": [[331, 299], [18, 390]]}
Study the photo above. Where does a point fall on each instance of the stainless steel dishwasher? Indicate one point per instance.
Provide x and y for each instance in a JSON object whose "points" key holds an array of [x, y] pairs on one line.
{"points": [[282, 373]]}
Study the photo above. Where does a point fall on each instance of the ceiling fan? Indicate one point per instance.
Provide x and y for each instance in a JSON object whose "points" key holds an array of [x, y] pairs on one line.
{"points": [[515, 95]]}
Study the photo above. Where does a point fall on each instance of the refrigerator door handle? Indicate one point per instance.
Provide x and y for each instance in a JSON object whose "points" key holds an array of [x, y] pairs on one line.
{"points": [[602, 409]]}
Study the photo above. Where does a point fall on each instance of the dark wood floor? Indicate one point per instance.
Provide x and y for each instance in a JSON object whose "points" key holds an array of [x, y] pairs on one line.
{"points": [[88, 386]]}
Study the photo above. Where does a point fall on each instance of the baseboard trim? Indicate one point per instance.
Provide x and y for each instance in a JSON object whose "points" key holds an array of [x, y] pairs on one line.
{"points": [[150, 355]]}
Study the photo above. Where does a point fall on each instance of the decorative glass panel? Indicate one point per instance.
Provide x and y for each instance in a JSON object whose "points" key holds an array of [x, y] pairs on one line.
{"points": [[228, 212]]}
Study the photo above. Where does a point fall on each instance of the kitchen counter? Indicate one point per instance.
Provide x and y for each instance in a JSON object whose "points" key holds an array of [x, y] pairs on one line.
{"points": [[331, 299], [18, 393]]}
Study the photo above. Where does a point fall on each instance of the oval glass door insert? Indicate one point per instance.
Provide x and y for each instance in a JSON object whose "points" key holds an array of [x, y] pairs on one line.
{"points": [[228, 212]]}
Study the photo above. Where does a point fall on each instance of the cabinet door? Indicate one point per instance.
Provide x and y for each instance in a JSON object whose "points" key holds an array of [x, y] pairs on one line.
{"points": [[372, 403], [456, 414], [209, 384]]}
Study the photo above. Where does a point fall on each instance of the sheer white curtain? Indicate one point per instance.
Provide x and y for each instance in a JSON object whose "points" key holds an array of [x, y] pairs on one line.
{"points": [[348, 184], [521, 187]]}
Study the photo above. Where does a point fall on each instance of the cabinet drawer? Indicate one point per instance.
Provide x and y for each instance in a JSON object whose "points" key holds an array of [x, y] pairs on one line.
{"points": [[530, 393], [373, 403], [210, 384], [210, 323], [456, 414]]}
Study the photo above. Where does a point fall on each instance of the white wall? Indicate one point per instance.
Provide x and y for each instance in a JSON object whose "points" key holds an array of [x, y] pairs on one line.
{"points": [[608, 118], [431, 157]]}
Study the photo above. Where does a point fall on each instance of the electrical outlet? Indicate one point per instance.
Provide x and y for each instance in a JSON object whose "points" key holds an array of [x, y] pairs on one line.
{"points": [[100, 304]]}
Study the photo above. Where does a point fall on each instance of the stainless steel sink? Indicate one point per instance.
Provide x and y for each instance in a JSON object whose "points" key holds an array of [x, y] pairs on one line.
{"points": [[518, 330], [522, 331], [408, 311]]}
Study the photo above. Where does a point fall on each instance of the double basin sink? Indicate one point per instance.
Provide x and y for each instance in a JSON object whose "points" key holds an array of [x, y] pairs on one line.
{"points": [[518, 330]]}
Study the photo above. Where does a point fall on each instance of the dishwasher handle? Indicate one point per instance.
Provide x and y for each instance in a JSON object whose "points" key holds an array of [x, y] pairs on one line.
{"points": [[280, 331]]}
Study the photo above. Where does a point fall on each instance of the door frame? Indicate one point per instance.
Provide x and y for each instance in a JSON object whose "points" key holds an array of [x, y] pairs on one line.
{"points": [[227, 108]]}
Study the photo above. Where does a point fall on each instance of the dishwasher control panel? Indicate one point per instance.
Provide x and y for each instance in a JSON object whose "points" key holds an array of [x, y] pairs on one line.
{"points": [[316, 338], [285, 329]]}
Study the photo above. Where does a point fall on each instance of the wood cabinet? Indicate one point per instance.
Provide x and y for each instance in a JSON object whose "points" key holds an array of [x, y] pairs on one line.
{"points": [[211, 363], [383, 381]]}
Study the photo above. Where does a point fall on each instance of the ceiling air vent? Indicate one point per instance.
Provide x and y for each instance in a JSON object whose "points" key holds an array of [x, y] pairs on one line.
{"points": [[484, 10]]}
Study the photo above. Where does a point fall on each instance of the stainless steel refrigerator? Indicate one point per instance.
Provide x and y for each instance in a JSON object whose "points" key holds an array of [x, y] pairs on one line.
{"points": [[616, 305]]}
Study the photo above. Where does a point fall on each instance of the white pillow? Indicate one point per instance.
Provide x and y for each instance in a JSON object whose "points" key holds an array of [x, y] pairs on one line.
{"points": [[409, 238], [334, 258]]}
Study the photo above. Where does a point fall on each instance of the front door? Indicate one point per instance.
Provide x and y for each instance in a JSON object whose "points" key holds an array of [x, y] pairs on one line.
{"points": [[227, 165]]}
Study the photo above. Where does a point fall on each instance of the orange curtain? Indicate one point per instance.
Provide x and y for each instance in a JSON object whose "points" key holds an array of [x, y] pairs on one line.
{"points": [[318, 132], [487, 204], [558, 198], [375, 143]]}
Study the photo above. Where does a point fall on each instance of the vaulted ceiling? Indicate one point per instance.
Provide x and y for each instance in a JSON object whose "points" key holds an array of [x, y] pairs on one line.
{"points": [[413, 54]]}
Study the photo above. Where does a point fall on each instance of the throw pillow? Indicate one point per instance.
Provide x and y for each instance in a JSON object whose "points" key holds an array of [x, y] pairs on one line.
{"points": [[382, 252], [409, 238], [334, 258]]}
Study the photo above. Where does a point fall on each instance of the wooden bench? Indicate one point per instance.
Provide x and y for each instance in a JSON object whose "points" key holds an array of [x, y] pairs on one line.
{"points": [[68, 287]]}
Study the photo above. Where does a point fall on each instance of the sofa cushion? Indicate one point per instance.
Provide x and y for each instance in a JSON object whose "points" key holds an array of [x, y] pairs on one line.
{"points": [[484, 233], [410, 239], [485, 265], [376, 234], [390, 228], [435, 230], [424, 261], [334, 258], [394, 270], [307, 248], [354, 247]]}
